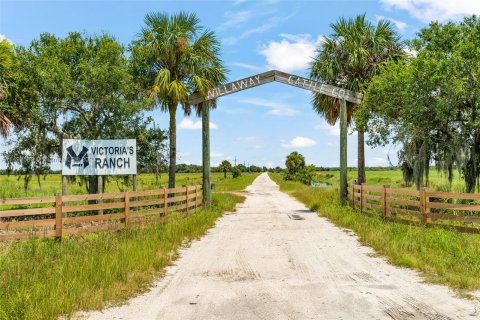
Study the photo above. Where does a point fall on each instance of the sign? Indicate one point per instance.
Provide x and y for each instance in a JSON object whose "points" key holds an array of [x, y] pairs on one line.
{"points": [[278, 76], [99, 157]]}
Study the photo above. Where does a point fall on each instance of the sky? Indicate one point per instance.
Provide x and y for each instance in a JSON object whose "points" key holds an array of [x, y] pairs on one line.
{"points": [[261, 125]]}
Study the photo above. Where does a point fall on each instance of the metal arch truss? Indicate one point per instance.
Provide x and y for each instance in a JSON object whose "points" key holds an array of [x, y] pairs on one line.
{"points": [[274, 75]]}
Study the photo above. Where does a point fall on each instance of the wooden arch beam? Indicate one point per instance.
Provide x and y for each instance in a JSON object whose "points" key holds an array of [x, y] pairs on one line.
{"points": [[256, 80], [283, 77]]}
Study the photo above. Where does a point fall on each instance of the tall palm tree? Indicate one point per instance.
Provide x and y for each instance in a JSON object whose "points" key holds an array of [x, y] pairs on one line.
{"points": [[349, 58], [173, 57]]}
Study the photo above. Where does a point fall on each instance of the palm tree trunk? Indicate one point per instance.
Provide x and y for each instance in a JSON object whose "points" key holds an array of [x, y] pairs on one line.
{"points": [[361, 156], [173, 145]]}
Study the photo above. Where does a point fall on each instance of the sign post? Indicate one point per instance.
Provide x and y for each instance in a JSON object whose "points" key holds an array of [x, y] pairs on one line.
{"points": [[206, 154], [343, 152]]}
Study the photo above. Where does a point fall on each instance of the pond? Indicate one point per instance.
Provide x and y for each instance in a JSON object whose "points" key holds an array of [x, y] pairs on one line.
{"points": [[320, 185]]}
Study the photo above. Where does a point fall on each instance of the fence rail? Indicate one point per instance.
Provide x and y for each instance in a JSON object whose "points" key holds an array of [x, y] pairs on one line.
{"points": [[460, 211], [58, 216]]}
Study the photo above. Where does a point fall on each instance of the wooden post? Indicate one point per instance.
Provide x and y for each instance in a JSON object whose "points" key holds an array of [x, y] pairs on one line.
{"points": [[386, 205], [343, 152], [165, 203], [206, 154], [135, 189], [384, 201], [64, 185], [100, 191], [196, 199], [126, 209], [423, 205], [58, 216], [353, 194], [361, 197], [428, 219], [186, 199], [425, 199]]}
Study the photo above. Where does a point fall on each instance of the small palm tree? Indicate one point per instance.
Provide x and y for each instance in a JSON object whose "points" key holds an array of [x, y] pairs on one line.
{"points": [[349, 58], [172, 58], [225, 167]]}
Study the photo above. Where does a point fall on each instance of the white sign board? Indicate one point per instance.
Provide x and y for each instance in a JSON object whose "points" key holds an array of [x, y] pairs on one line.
{"points": [[99, 157]]}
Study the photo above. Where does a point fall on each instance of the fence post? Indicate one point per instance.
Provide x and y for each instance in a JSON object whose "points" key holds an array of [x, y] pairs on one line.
{"points": [[58, 216], [427, 207], [100, 191], [386, 212], [134, 182], [196, 198], [423, 205], [186, 199], [126, 209], [165, 204], [353, 194], [361, 197]]}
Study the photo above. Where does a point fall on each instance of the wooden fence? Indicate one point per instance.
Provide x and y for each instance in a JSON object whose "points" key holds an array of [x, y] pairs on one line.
{"points": [[58, 215], [460, 211]]}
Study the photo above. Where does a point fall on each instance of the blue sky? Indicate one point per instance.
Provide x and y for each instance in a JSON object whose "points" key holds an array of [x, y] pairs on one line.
{"points": [[258, 126]]}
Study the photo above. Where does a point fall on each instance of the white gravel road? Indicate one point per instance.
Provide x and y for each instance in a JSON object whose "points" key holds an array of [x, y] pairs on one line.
{"points": [[275, 259]]}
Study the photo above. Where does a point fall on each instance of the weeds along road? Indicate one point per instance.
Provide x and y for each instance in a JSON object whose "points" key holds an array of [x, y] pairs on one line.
{"points": [[274, 259]]}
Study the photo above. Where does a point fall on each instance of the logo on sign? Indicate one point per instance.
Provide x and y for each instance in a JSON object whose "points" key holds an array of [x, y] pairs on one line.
{"points": [[80, 160]]}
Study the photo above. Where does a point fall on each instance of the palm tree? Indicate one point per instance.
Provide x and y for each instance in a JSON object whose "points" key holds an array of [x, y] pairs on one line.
{"points": [[225, 167], [349, 58], [173, 57]]}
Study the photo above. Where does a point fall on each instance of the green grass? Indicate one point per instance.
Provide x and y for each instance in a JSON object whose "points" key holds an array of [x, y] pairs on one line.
{"points": [[437, 180], [43, 279], [445, 257], [12, 186], [237, 184]]}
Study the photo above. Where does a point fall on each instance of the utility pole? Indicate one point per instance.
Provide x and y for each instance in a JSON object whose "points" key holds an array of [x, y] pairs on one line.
{"points": [[235, 161]]}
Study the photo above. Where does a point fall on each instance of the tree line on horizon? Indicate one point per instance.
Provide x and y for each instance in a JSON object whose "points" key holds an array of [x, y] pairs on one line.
{"points": [[93, 87]]}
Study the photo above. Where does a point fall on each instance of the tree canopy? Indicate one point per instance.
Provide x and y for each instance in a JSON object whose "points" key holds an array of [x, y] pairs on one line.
{"points": [[428, 102], [173, 57]]}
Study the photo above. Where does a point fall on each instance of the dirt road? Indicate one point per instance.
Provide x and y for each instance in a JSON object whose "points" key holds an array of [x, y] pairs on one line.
{"points": [[274, 259]]}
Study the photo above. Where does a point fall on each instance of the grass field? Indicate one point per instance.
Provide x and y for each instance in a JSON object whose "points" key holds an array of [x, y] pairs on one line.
{"points": [[442, 256], [43, 278], [12, 186], [437, 180]]}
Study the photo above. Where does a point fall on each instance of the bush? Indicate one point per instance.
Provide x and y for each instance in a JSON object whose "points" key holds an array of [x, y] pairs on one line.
{"points": [[236, 172]]}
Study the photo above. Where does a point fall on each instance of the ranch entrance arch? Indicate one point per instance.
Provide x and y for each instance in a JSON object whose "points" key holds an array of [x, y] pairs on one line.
{"points": [[256, 80]]}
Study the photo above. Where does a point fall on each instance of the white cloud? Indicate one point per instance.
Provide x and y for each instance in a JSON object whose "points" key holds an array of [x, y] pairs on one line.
{"points": [[189, 124], [276, 108], [234, 20], [410, 52], [299, 142], [3, 37], [248, 66], [400, 25], [293, 52], [217, 154], [334, 130], [377, 161], [441, 10], [264, 27]]}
